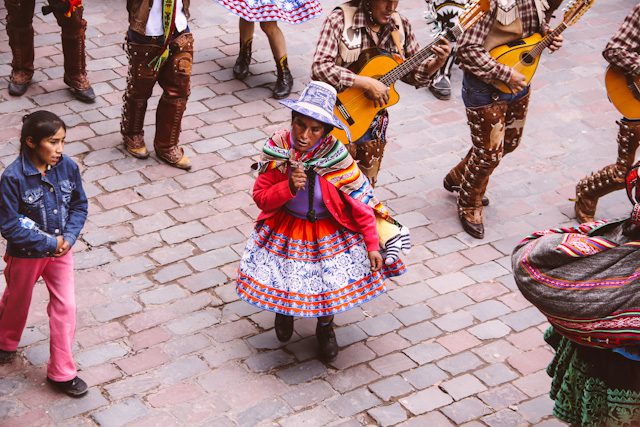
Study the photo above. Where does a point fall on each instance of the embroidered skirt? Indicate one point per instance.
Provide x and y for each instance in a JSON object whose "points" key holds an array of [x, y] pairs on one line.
{"points": [[308, 269], [593, 387], [290, 11]]}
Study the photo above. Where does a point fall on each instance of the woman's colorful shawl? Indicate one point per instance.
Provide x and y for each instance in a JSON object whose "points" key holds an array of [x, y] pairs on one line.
{"points": [[585, 280], [332, 161]]}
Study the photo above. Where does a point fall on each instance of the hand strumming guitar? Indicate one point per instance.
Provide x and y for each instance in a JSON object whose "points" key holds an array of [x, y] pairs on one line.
{"points": [[517, 81], [373, 89], [297, 179]]}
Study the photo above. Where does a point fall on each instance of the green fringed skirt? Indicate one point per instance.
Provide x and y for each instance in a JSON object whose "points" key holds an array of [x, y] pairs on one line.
{"points": [[593, 387]]}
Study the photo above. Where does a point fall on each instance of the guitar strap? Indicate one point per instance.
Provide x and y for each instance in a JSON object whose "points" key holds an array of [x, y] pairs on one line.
{"points": [[395, 35]]}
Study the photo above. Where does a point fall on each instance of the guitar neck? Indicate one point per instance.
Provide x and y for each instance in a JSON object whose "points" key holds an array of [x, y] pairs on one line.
{"points": [[407, 66], [547, 40]]}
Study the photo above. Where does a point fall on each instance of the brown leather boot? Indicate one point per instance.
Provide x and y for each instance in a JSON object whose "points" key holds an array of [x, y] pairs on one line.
{"points": [[369, 157], [73, 48], [514, 123], [610, 178], [241, 67], [451, 181], [487, 135], [20, 32], [140, 81], [168, 126], [284, 82], [175, 80]]}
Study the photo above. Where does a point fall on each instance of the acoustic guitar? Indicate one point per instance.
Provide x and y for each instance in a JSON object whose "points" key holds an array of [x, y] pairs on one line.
{"points": [[524, 55], [623, 92], [356, 110]]}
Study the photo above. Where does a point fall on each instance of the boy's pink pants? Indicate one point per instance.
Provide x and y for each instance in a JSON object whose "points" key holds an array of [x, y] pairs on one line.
{"points": [[21, 275]]}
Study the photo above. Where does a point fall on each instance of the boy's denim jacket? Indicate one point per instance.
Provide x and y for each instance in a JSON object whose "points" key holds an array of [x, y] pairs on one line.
{"points": [[36, 208]]}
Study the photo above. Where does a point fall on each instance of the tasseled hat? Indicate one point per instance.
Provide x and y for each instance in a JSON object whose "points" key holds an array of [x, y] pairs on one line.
{"points": [[633, 192]]}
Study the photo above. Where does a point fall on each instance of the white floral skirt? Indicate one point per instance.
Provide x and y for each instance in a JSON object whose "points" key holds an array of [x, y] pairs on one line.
{"points": [[290, 11], [308, 269]]}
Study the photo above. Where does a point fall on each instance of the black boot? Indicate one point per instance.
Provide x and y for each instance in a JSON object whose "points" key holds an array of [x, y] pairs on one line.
{"points": [[74, 388], [284, 327], [7, 357], [441, 88], [284, 83], [241, 67], [327, 341]]}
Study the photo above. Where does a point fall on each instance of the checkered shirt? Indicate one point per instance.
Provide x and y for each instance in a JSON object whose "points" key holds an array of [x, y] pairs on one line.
{"points": [[623, 50], [475, 59], [324, 67]]}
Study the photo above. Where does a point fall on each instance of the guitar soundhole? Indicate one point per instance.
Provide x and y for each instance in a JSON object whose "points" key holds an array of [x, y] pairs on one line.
{"points": [[527, 59]]}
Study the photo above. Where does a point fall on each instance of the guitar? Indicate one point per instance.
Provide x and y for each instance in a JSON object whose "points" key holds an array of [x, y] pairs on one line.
{"points": [[524, 55], [623, 92], [356, 110]]}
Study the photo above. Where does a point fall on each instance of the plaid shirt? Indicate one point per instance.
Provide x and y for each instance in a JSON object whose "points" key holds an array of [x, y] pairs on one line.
{"points": [[472, 54], [623, 50], [324, 67]]}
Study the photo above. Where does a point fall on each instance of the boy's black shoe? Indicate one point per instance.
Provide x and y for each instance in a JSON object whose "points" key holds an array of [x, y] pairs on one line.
{"points": [[6, 357], [74, 388], [284, 327], [327, 341]]}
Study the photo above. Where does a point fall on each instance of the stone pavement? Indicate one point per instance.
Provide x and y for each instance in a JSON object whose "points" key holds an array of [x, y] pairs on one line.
{"points": [[162, 337]]}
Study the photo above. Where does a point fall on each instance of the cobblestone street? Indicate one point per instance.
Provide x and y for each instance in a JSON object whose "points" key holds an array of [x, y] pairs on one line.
{"points": [[162, 338]]}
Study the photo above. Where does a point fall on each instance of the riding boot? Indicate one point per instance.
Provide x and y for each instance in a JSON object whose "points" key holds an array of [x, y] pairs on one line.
{"points": [[175, 80], [487, 124], [284, 83], [20, 32], [514, 123], [241, 67], [451, 181], [140, 81], [610, 178], [369, 155], [73, 48]]}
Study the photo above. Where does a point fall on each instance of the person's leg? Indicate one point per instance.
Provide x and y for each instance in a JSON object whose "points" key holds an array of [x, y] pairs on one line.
{"points": [[21, 275], [20, 33], [283, 325], [611, 177], [514, 122], [369, 156], [284, 82], [73, 47], [140, 81], [175, 80], [59, 278], [326, 338], [241, 67]]}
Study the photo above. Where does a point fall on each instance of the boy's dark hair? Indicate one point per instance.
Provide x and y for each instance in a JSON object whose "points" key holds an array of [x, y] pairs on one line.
{"points": [[39, 125], [327, 127]]}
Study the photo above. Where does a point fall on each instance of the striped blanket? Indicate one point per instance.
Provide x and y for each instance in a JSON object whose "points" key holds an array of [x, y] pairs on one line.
{"points": [[585, 280]]}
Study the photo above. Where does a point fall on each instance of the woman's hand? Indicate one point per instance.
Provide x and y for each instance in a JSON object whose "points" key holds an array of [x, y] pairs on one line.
{"points": [[297, 179], [376, 260], [62, 247]]}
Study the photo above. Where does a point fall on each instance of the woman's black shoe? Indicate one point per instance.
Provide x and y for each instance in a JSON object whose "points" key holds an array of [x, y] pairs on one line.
{"points": [[6, 357], [327, 341], [74, 388], [284, 327]]}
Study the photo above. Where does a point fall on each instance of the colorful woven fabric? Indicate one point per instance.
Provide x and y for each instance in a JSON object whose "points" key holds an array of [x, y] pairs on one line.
{"points": [[330, 160], [586, 280], [308, 269], [291, 11], [593, 387]]}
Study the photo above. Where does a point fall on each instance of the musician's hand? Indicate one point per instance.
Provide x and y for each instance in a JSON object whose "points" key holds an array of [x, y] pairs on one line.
{"points": [[556, 43], [518, 81], [374, 89], [442, 50], [297, 180]]}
